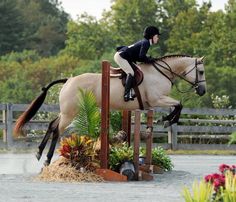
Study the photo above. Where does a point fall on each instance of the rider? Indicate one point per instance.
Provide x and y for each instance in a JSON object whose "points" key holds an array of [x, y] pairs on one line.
{"points": [[126, 56]]}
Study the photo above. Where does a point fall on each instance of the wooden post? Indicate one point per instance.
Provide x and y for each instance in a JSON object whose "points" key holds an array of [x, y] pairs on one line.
{"points": [[126, 124], [172, 136], [148, 160], [105, 114], [136, 141], [4, 120], [9, 125]]}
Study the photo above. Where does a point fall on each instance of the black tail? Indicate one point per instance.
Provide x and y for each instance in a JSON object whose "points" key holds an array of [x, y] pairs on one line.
{"points": [[33, 108]]}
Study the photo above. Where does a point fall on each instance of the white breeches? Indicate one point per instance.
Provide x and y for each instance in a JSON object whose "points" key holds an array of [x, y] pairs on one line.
{"points": [[123, 64]]}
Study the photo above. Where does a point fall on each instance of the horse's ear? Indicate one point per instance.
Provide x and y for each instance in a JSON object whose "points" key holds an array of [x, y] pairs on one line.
{"points": [[202, 58]]}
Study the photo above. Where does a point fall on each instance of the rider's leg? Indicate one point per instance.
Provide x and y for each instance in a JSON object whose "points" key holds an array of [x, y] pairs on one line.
{"points": [[128, 86], [124, 64]]}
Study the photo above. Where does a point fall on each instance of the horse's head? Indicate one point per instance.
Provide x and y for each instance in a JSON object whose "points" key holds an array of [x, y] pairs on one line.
{"points": [[196, 75]]}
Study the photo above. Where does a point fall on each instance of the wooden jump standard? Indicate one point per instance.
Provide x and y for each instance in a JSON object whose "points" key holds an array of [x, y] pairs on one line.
{"points": [[126, 126], [105, 114]]}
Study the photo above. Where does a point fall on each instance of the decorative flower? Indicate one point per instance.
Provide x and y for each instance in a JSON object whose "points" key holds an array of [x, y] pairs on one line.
{"points": [[209, 178], [218, 180], [223, 168]]}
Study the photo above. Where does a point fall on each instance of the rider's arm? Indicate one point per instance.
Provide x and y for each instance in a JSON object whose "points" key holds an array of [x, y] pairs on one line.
{"points": [[143, 51]]}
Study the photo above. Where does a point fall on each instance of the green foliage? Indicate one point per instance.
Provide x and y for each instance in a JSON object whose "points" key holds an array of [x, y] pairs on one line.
{"points": [[33, 25], [228, 194], [11, 26], [45, 29], [25, 55], [119, 154], [86, 38], [24, 74], [232, 138], [88, 119], [202, 192], [115, 121], [160, 158], [128, 19]]}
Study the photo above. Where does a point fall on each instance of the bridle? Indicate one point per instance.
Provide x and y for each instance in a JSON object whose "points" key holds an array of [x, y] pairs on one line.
{"points": [[194, 84]]}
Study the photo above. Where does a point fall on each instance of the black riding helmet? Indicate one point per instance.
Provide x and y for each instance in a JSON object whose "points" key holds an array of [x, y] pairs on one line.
{"points": [[150, 31]]}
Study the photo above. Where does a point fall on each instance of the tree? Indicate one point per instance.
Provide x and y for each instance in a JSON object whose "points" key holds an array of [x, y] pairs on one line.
{"points": [[186, 34], [129, 18], [87, 39], [167, 12], [45, 25], [11, 27]]}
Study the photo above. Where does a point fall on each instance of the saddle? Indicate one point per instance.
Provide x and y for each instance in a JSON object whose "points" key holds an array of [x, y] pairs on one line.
{"points": [[118, 72], [138, 75]]}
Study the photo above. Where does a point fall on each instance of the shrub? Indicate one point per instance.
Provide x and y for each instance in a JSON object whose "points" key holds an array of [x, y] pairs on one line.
{"points": [[88, 120], [79, 150], [119, 155], [160, 158]]}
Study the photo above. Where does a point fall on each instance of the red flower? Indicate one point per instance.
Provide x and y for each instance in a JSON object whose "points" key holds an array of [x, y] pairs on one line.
{"points": [[216, 176], [209, 178], [218, 180], [223, 168]]}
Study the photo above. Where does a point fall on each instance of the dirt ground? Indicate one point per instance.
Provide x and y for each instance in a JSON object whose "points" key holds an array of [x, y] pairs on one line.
{"points": [[17, 172]]}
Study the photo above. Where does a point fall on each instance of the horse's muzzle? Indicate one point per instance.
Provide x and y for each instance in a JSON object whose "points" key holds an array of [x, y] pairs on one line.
{"points": [[201, 90]]}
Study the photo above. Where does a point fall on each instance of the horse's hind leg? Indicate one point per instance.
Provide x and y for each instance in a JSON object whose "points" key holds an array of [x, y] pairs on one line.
{"points": [[52, 146], [52, 126], [63, 122]]}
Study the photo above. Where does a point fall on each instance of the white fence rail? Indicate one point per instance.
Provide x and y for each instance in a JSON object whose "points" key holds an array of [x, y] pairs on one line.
{"points": [[204, 121]]}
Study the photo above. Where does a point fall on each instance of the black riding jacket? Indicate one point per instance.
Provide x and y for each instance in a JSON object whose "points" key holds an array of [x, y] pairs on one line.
{"points": [[135, 52]]}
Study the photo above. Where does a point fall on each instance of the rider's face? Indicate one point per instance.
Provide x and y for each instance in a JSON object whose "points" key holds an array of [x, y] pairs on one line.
{"points": [[155, 39]]}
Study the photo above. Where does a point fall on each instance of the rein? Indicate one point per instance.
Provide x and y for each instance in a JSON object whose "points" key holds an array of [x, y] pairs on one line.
{"points": [[168, 68]]}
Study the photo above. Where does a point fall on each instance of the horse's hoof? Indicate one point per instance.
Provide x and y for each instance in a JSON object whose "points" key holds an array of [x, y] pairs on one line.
{"points": [[166, 124], [46, 163], [38, 155], [159, 121]]}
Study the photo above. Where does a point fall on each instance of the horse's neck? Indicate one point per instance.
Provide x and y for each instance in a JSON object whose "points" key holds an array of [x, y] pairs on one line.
{"points": [[177, 64]]}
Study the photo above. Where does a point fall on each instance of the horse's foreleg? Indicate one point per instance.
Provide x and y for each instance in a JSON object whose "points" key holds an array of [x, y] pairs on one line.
{"points": [[172, 114], [174, 118], [165, 101], [52, 126]]}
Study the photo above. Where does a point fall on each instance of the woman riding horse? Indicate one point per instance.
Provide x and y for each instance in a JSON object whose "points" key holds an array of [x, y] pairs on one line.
{"points": [[126, 56], [154, 90]]}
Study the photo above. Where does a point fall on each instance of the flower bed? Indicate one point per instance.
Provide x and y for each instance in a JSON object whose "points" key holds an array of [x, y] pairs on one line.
{"points": [[216, 187]]}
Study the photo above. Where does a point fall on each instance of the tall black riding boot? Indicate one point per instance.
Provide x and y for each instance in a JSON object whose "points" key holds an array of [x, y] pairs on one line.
{"points": [[128, 86]]}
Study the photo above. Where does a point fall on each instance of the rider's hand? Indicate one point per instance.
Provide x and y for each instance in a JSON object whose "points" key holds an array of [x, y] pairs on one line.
{"points": [[150, 60]]}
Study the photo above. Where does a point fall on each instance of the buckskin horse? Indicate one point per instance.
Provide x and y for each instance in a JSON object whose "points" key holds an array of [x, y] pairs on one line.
{"points": [[154, 90]]}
